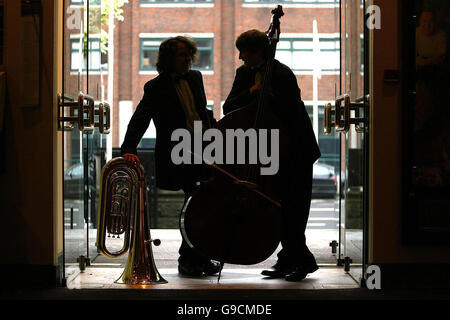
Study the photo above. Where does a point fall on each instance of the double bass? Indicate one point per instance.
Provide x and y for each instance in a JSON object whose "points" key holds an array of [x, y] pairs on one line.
{"points": [[235, 217]]}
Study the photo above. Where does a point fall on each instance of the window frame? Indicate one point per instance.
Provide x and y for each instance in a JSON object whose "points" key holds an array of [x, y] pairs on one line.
{"points": [[176, 2], [92, 38], [158, 37], [302, 37], [334, 2], [81, 2]]}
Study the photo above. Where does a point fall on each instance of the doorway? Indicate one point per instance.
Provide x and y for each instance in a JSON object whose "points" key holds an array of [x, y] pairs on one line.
{"points": [[106, 68]]}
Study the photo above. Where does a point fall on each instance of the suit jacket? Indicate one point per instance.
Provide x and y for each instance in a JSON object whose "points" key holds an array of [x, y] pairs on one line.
{"points": [[286, 104], [161, 103]]}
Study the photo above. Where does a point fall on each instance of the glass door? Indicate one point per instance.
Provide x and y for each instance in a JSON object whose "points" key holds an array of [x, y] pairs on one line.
{"points": [[84, 120], [353, 103], [349, 117], [95, 148]]}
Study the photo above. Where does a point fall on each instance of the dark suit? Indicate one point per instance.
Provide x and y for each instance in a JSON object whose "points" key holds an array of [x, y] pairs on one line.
{"points": [[296, 173], [161, 103]]}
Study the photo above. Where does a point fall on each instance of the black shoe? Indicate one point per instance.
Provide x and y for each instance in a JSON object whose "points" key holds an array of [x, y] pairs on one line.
{"points": [[300, 273], [197, 269], [277, 271], [211, 267]]}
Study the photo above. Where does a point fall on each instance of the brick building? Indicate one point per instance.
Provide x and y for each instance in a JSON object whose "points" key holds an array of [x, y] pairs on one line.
{"points": [[310, 46]]}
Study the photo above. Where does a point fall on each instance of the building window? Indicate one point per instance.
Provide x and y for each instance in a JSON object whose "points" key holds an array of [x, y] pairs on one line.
{"points": [[291, 1], [81, 2], [78, 58], [150, 46], [176, 1], [299, 55]]}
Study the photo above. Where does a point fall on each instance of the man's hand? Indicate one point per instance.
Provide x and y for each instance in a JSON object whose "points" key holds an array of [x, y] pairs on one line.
{"points": [[131, 158], [255, 87]]}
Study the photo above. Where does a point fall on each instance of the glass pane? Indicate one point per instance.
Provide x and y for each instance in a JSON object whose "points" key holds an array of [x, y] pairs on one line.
{"points": [[302, 60], [329, 60], [283, 45], [95, 148], [75, 80], [203, 43], [352, 157], [303, 44], [149, 59], [203, 60], [284, 57]]}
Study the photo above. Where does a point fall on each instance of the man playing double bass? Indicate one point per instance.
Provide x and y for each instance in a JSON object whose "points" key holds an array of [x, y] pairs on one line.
{"points": [[174, 99], [295, 260]]}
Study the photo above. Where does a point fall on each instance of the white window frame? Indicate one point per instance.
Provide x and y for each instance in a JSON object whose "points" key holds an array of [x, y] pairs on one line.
{"points": [[168, 35], [163, 4], [291, 36]]}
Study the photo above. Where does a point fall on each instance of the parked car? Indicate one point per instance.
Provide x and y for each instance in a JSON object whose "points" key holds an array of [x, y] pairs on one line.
{"points": [[324, 181], [74, 181], [74, 189]]}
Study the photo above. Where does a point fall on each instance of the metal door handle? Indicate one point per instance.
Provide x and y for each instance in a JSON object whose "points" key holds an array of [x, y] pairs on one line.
{"points": [[344, 106], [84, 104], [361, 102], [67, 101], [86, 125], [104, 113], [327, 121], [341, 113]]}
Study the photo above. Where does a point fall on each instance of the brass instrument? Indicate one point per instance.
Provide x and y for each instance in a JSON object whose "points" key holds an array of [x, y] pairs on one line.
{"points": [[123, 208]]}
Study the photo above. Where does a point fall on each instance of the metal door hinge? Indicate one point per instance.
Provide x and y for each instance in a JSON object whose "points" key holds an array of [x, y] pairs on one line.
{"points": [[334, 244], [83, 262], [347, 262]]}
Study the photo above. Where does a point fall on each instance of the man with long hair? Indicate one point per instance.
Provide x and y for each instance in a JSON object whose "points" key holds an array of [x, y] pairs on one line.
{"points": [[174, 99]]}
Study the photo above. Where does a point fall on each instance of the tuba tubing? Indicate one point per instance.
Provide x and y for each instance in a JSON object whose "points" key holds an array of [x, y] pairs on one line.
{"points": [[123, 210]]}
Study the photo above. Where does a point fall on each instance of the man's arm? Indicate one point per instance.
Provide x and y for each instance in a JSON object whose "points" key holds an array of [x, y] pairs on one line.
{"points": [[138, 124], [209, 114], [239, 95]]}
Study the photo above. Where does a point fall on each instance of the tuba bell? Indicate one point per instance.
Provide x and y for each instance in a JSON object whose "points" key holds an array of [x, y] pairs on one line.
{"points": [[123, 209]]}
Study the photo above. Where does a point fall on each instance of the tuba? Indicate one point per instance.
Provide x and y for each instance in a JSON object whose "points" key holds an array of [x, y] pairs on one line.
{"points": [[123, 209]]}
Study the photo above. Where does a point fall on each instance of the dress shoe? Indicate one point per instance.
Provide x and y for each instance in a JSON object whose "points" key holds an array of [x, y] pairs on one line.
{"points": [[198, 268], [211, 267], [277, 271], [300, 273]]}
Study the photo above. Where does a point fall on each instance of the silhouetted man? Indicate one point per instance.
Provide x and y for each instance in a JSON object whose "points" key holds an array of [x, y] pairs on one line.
{"points": [[174, 99], [295, 260]]}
